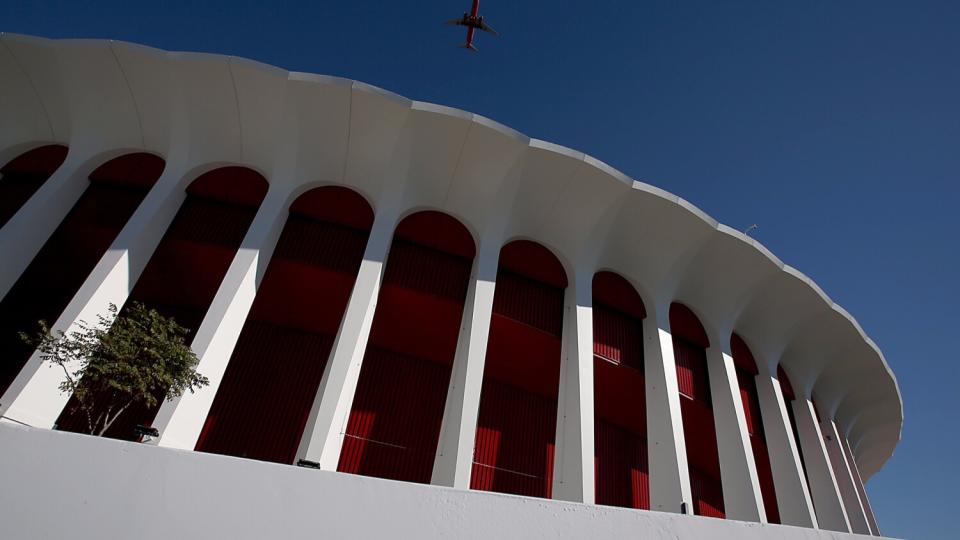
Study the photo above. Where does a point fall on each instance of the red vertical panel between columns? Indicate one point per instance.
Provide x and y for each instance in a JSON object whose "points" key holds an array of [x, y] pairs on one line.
{"points": [[746, 368], [699, 429], [394, 423], [620, 438], [516, 428], [264, 400]]}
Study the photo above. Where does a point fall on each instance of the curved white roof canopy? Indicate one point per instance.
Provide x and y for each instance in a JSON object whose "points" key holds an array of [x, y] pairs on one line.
{"points": [[105, 98]]}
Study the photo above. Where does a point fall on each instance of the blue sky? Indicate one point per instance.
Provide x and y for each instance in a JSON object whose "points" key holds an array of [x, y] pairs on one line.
{"points": [[835, 126]]}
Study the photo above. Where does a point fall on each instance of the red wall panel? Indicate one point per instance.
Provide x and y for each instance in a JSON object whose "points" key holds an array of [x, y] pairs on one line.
{"points": [[751, 408], [751, 402], [263, 402], [621, 470], [529, 301], [615, 292], [266, 393], [424, 269], [692, 375], [514, 447], [518, 401], [699, 428], [394, 423], [621, 473], [617, 337], [707, 494], [685, 324]]}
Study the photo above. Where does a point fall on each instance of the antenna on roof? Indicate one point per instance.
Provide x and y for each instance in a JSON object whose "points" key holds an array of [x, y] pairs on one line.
{"points": [[751, 228]]}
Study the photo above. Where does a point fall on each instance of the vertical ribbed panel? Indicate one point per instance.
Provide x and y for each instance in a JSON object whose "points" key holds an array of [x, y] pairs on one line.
{"points": [[528, 301], [620, 466], [707, 494], [264, 400], [692, 375], [210, 222], [266, 393], [397, 410], [514, 446], [751, 402], [617, 337], [327, 245], [394, 424], [427, 270], [699, 426]]}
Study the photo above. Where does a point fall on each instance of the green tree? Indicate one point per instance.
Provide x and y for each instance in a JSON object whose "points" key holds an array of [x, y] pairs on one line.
{"points": [[138, 356]]}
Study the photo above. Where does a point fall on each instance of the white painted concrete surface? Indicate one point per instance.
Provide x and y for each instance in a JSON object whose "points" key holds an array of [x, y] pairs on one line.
{"points": [[790, 484], [458, 431], [109, 490]]}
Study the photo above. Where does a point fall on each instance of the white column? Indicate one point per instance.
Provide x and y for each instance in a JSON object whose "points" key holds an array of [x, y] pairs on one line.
{"points": [[323, 437], [858, 480], [458, 431], [181, 420], [34, 398], [666, 447], [793, 497], [841, 471], [27, 230], [738, 471], [823, 484], [573, 462]]}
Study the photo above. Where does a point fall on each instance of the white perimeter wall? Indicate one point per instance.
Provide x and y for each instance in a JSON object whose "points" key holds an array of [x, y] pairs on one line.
{"points": [[63, 485]]}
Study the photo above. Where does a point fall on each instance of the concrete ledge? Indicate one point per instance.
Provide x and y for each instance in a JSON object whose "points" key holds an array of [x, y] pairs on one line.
{"points": [[62, 485]]}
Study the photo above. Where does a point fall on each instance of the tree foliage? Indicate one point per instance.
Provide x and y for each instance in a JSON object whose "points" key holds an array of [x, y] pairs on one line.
{"points": [[137, 356]]}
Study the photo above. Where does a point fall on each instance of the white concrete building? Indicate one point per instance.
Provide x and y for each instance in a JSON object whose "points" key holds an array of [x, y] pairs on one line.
{"points": [[379, 287]]}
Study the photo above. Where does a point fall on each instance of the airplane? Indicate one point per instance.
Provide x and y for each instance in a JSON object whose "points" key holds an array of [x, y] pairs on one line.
{"points": [[473, 22]]}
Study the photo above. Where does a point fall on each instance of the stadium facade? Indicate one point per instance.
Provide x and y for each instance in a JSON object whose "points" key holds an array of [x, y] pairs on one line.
{"points": [[527, 342]]}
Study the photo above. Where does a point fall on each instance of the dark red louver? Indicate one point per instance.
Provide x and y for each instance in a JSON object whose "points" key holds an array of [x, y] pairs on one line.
{"points": [[261, 408], [696, 406], [746, 368], [621, 472], [395, 420], [394, 424], [515, 442], [518, 401]]}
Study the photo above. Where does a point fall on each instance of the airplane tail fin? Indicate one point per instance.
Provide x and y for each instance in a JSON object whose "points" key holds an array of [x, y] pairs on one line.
{"points": [[469, 46]]}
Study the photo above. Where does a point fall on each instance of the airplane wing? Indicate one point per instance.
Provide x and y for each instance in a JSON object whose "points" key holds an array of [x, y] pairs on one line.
{"points": [[457, 21], [486, 28]]}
